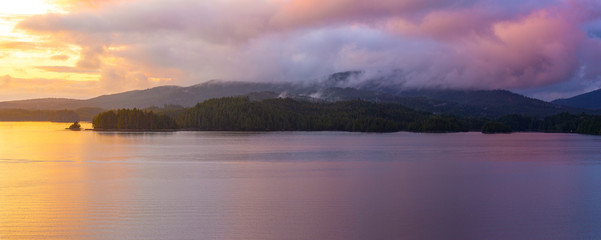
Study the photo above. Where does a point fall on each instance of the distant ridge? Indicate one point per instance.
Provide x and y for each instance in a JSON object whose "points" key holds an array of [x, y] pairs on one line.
{"points": [[158, 96], [590, 100], [43, 104], [337, 87]]}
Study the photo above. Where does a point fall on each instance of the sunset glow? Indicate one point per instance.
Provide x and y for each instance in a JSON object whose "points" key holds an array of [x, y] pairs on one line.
{"points": [[26, 7], [300, 119], [85, 48], [29, 61]]}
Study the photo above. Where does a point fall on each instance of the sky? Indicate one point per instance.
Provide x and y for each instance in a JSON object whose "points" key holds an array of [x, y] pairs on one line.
{"points": [[84, 48]]}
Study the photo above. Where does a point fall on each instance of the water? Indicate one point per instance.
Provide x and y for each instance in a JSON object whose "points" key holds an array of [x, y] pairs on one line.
{"points": [[58, 184]]}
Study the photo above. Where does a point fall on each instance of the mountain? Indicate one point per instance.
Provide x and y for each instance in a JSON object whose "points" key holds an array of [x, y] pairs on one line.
{"points": [[158, 96], [473, 103], [44, 104], [337, 87], [490, 103], [590, 100], [80, 114]]}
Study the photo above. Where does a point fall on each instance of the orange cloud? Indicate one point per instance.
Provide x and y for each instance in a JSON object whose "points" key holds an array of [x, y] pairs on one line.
{"points": [[5, 81], [18, 45], [12, 88], [61, 57], [74, 5], [456, 43], [65, 69]]}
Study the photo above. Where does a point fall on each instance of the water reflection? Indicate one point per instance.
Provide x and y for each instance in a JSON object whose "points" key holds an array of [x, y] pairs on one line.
{"points": [[57, 184]]}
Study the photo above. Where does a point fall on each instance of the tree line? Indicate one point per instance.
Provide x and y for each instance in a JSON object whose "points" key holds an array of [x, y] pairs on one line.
{"points": [[244, 114], [133, 119], [563, 122]]}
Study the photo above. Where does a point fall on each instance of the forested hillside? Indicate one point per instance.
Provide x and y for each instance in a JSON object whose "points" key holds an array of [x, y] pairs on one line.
{"points": [[338, 87], [242, 114], [284, 114], [563, 122], [133, 119]]}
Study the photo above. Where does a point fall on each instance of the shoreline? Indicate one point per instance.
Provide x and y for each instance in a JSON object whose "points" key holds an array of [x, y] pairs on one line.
{"points": [[309, 131]]}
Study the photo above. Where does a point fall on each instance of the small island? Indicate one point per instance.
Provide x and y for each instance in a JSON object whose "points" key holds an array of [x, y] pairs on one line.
{"points": [[75, 126]]}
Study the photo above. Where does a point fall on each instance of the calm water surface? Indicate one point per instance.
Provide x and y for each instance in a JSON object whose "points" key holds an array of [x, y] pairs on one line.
{"points": [[58, 184]]}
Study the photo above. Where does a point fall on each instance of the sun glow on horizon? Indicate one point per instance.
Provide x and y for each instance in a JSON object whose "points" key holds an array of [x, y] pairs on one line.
{"points": [[27, 55], [28, 7], [85, 48]]}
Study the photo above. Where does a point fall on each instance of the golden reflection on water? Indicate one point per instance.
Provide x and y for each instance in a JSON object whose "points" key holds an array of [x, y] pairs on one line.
{"points": [[27, 141], [60, 184], [45, 187]]}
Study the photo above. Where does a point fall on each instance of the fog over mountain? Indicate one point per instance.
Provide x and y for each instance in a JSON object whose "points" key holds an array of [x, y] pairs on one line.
{"points": [[103, 47], [336, 87]]}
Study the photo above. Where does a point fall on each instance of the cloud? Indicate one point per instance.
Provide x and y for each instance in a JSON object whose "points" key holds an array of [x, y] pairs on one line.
{"points": [[74, 5], [296, 13], [60, 57], [12, 88], [419, 43], [116, 79], [5, 81], [65, 69], [18, 45], [535, 50], [29, 46]]}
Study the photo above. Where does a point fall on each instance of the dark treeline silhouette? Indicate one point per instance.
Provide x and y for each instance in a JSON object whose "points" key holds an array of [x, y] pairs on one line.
{"points": [[495, 127], [563, 122], [244, 114], [133, 119]]}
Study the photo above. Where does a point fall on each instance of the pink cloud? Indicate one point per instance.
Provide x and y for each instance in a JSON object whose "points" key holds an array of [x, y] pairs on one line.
{"points": [[445, 25], [296, 13], [461, 44], [540, 49]]}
